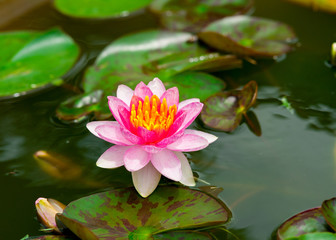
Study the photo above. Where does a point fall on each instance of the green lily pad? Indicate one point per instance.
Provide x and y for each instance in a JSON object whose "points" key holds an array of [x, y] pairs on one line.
{"points": [[224, 111], [318, 5], [309, 221], [99, 8], [192, 16], [315, 236], [249, 36], [32, 61], [123, 214], [141, 57], [329, 212]]}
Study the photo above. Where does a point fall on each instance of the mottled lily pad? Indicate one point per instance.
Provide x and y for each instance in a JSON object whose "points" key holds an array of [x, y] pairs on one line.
{"points": [[309, 221], [329, 212], [318, 5], [224, 111], [192, 16], [99, 8], [32, 60], [123, 214], [141, 57], [249, 36]]}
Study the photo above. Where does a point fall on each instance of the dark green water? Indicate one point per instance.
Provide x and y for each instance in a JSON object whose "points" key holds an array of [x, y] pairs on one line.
{"points": [[265, 179]]}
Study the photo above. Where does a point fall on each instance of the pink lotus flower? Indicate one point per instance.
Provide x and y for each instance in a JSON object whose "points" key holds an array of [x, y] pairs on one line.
{"points": [[150, 134]]}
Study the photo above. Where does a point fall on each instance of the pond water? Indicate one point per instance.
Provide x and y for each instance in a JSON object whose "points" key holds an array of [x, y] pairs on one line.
{"points": [[266, 179]]}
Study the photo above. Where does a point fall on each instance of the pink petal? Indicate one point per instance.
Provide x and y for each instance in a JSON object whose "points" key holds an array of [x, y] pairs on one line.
{"points": [[113, 134], [172, 96], [135, 100], [173, 135], [92, 125], [146, 135], [131, 136], [112, 157], [188, 143], [186, 102], [141, 90], [167, 163], [187, 175], [192, 110], [151, 148], [125, 115], [146, 180], [209, 137], [136, 158], [125, 94], [114, 104], [157, 87]]}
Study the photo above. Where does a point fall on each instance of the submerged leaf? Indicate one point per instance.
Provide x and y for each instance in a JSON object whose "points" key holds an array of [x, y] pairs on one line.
{"points": [[192, 16], [31, 60], [99, 8], [141, 57], [308, 221], [224, 111], [249, 36], [122, 213]]}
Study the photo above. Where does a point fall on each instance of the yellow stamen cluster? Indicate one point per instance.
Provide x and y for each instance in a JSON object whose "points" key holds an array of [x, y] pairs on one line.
{"points": [[152, 114]]}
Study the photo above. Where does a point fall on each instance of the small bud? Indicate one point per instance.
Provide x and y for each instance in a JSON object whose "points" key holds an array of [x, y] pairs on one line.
{"points": [[47, 208]]}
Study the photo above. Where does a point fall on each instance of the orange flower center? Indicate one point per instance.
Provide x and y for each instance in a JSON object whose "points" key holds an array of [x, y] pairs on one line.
{"points": [[152, 114]]}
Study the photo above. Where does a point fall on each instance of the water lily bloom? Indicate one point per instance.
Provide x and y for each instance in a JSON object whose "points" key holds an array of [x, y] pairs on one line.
{"points": [[150, 134]]}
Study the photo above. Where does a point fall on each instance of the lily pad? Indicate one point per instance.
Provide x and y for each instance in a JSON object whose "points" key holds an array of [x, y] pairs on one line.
{"points": [[141, 57], [249, 36], [309, 221], [318, 5], [329, 212], [192, 16], [315, 236], [123, 214], [99, 8], [224, 111], [32, 61]]}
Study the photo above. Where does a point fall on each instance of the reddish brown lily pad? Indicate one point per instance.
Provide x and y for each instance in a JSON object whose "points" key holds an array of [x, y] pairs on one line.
{"points": [[249, 36], [224, 111], [120, 214]]}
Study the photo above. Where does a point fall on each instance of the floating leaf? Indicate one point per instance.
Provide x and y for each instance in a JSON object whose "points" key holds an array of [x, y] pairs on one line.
{"points": [[308, 221], [123, 214], [99, 8], [329, 212], [192, 16], [141, 57], [224, 111], [315, 236], [31, 60], [318, 5], [249, 36]]}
